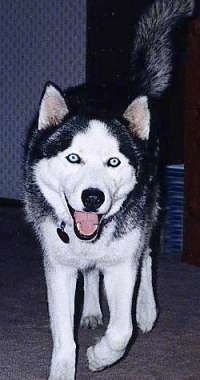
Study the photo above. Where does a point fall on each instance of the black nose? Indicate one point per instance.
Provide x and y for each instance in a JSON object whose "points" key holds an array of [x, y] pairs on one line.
{"points": [[92, 198]]}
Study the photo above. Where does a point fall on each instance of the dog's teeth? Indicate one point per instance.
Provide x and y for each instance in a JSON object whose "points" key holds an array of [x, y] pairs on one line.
{"points": [[78, 226]]}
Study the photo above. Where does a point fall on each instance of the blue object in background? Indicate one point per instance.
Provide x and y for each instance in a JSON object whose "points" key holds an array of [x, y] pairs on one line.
{"points": [[173, 230]]}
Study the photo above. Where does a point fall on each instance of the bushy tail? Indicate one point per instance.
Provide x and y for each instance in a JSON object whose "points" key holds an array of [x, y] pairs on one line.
{"points": [[152, 52]]}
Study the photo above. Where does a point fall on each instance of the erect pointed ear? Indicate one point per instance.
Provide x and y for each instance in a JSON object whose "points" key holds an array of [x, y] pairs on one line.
{"points": [[52, 107], [138, 116]]}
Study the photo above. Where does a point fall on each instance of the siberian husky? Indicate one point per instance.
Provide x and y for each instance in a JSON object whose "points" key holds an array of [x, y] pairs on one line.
{"points": [[92, 195]]}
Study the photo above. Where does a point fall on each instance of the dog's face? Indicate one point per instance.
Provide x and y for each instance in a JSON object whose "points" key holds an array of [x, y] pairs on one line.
{"points": [[84, 165]]}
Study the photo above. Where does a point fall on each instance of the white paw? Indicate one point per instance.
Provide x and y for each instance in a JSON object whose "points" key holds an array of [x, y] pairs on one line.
{"points": [[62, 375], [62, 370], [146, 317], [101, 355], [92, 321], [95, 363]]}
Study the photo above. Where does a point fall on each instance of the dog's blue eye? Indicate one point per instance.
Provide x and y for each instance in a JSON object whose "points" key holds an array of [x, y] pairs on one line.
{"points": [[74, 158], [114, 162]]}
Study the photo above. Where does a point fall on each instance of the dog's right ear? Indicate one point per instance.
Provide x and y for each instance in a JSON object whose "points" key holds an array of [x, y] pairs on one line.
{"points": [[53, 107]]}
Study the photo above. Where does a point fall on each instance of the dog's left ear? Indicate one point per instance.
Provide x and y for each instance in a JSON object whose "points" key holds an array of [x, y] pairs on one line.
{"points": [[53, 107], [138, 116]]}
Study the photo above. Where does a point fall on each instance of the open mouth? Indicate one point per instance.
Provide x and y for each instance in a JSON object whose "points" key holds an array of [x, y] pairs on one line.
{"points": [[86, 224]]}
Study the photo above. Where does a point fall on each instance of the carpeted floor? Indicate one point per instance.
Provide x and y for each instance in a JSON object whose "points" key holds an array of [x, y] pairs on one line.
{"points": [[170, 352]]}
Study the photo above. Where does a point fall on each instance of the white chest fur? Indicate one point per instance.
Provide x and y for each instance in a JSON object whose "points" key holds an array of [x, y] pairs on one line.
{"points": [[106, 251]]}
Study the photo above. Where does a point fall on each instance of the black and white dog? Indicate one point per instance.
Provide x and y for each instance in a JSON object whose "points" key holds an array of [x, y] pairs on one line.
{"points": [[92, 195]]}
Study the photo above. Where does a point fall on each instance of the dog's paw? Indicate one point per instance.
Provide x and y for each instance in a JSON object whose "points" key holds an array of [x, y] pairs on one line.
{"points": [[62, 373], [62, 369], [101, 355], [146, 318], [95, 363], [92, 321]]}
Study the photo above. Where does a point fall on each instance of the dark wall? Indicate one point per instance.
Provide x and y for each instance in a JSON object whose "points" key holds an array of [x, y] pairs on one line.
{"points": [[110, 30], [110, 33]]}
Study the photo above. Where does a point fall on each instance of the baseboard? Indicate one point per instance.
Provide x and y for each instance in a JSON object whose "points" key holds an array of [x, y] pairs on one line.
{"points": [[8, 202]]}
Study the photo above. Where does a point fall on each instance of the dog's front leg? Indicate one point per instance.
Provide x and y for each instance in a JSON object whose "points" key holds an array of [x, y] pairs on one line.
{"points": [[119, 284], [146, 312], [61, 285], [92, 316]]}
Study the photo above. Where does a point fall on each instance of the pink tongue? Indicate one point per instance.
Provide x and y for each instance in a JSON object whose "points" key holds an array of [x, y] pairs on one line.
{"points": [[86, 222]]}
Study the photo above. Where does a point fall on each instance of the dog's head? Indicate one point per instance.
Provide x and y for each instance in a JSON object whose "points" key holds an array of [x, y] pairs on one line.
{"points": [[87, 165]]}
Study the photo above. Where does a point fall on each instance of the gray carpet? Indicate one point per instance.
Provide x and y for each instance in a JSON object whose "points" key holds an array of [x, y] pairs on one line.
{"points": [[171, 351]]}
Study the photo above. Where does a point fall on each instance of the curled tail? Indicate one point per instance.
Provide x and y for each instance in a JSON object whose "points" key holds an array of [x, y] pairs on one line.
{"points": [[152, 52]]}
